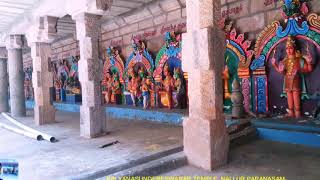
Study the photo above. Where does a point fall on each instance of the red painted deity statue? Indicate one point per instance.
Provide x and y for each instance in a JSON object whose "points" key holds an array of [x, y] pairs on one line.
{"points": [[292, 66]]}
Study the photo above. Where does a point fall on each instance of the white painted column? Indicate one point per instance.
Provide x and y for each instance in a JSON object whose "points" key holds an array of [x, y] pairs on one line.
{"points": [[4, 84], [16, 76]]}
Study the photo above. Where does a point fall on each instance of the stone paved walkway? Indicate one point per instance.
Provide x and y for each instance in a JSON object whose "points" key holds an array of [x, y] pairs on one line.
{"points": [[264, 158], [74, 155]]}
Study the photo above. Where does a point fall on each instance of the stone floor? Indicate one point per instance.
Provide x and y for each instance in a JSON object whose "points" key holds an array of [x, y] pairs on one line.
{"points": [[264, 158], [73, 155]]}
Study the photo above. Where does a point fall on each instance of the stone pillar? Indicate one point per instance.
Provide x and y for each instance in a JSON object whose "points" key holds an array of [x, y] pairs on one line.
{"points": [[4, 96], [44, 111], [92, 112], [16, 75], [206, 141], [39, 40]]}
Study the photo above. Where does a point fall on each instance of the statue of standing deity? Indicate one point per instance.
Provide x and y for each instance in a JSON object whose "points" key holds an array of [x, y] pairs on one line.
{"points": [[74, 69], [180, 87], [134, 86], [107, 83], [293, 65], [116, 89], [145, 89], [168, 84], [63, 72]]}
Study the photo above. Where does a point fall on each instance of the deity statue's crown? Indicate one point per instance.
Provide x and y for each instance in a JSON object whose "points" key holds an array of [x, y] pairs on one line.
{"points": [[290, 42]]}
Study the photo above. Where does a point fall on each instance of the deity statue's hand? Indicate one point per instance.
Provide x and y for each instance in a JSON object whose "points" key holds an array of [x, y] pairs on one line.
{"points": [[281, 67], [309, 58], [273, 61]]}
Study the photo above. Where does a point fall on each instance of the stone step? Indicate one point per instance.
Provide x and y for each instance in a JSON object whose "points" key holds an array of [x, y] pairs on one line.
{"points": [[128, 165], [155, 167]]}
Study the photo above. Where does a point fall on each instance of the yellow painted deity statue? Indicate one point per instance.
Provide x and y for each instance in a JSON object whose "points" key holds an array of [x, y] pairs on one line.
{"points": [[168, 84]]}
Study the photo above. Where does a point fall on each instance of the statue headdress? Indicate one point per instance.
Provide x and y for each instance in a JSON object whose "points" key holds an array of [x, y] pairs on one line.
{"points": [[290, 42]]}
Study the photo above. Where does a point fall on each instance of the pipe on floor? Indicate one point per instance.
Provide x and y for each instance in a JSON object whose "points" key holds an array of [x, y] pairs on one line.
{"points": [[43, 135], [22, 132]]}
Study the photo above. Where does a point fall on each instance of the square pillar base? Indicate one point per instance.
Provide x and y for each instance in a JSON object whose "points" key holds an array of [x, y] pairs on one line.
{"points": [[44, 115], [92, 121], [206, 142]]}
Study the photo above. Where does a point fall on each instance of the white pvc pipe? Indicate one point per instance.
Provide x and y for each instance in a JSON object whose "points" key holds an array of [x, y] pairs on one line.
{"points": [[43, 135], [22, 132]]}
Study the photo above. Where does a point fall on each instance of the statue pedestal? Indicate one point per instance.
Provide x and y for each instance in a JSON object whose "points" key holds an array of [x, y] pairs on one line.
{"points": [[73, 98], [63, 95]]}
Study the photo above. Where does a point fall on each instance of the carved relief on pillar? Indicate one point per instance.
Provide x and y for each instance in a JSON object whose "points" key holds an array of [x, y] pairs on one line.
{"points": [[92, 114], [104, 4], [87, 25]]}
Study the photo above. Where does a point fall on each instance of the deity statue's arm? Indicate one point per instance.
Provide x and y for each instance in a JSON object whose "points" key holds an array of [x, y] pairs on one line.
{"points": [[307, 66], [279, 68]]}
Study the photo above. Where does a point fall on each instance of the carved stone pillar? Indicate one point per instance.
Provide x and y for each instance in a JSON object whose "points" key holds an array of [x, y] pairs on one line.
{"points": [[16, 75], [4, 95], [92, 112], [39, 41], [44, 111], [206, 141]]}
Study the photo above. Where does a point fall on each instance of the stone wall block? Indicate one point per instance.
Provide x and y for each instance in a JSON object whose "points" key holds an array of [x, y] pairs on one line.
{"points": [[259, 6], [169, 5], [138, 16], [174, 15], [155, 9], [252, 23]]}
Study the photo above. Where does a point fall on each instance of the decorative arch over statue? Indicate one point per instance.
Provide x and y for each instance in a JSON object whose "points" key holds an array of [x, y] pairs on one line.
{"points": [[113, 72], [139, 66], [272, 43], [237, 62], [168, 62]]}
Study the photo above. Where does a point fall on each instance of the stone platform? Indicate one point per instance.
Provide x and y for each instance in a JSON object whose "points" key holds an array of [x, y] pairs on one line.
{"points": [[295, 131], [123, 112]]}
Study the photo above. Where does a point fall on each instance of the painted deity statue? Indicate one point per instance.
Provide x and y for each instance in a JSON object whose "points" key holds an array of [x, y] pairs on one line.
{"points": [[72, 84], [226, 77], [180, 87], [134, 86], [63, 71], [107, 83], [74, 72], [28, 83], [116, 89], [168, 84], [145, 89], [292, 66]]}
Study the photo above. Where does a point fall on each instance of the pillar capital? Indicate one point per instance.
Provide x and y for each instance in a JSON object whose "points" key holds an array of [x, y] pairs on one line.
{"points": [[88, 25], [45, 30], [15, 41]]}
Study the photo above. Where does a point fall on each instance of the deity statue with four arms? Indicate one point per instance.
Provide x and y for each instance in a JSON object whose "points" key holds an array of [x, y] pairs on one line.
{"points": [[292, 66]]}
